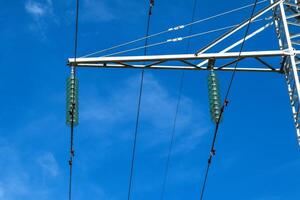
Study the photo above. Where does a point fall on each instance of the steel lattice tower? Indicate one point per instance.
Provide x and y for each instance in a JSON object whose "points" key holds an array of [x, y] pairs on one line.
{"points": [[286, 19]]}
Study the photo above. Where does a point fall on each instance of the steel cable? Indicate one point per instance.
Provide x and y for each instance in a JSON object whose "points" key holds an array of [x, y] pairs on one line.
{"points": [[179, 39], [176, 28], [181, 81], [139, 106], [73, 74], [225, 103]]}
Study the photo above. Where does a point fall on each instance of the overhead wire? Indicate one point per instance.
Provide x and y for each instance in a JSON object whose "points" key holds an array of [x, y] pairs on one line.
{"points": [[139, 106], [176, 28], [73, 68], [178, 39], [225, 103], [180, 88], [72, 111], [126, 43]]}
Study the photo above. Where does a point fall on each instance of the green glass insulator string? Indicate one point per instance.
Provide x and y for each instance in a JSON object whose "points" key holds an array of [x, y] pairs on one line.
{"points": [[72, 101], [214, 96]]}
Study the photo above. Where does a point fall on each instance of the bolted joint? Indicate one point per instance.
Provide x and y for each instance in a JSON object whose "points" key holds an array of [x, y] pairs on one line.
{"points": [[213, 152], [72, 64], [72, 153], [211, 63], [226, 102], [209, 160]]}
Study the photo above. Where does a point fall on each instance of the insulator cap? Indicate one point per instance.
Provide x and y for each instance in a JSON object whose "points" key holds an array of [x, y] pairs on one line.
{"points": [[72, 101], [214, 96]]}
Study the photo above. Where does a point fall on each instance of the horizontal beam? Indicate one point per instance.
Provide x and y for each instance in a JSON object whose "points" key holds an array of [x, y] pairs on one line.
{"points": [[243, 24], [178, 57], [170, 67], [249, 36]]}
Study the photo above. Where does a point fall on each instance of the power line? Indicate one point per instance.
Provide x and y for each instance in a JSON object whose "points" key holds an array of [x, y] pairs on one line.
{"points": [[178, 39], [172, 138], [225, 103], [192, 22], [139, 104], [72, 111], [176, 28]]}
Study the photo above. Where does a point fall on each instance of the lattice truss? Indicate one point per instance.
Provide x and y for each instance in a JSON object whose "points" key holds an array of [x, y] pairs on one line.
{"points": [[284, 15]]}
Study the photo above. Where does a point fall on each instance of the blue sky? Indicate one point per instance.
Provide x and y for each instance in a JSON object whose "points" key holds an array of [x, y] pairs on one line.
{"points": [[257, 153]]}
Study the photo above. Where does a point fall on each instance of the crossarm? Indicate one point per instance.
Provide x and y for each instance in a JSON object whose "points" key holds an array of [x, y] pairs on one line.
{"points": [[179, 57]]}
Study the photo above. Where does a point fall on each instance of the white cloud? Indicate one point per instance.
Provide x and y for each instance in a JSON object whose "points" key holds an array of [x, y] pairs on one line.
{"points": [[105, 10], [269, 198], [118, 109], [12, 177], [1, 192], [19, 178], [98, 11], [92, 191], [48, 164], [39, 9], [42, 13], [34, 9]]}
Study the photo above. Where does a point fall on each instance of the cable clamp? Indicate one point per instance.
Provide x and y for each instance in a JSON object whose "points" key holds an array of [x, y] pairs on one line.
{"points": [[175, 39], [176, 28], [269, 18], [209, 160], [72, 153], [226, 102], [151, 3], [213, 152]]}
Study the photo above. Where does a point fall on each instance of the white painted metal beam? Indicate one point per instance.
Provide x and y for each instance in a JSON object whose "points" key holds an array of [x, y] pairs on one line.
{"points": [[129, 59], [292, 76], [240, 41], [239, 27], [174, 67]]}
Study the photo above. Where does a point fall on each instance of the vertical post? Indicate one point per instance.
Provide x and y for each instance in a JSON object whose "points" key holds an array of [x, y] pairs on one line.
{"points": [[277, 25], [291, 72]]}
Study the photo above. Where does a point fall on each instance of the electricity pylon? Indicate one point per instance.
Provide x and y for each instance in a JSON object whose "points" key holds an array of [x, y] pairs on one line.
{"points": [[286, 19]]}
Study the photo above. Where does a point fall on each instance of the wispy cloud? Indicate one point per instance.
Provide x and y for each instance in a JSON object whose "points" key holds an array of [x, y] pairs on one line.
{"points": [[48, 164], [41, 12], [18, 178], [105, 10], [269, 198], [98, 11], [34, 9], [157, 114], [13, 178], [39, 9]]}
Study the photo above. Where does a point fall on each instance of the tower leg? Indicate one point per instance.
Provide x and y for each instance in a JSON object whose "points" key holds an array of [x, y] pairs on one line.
{"points": [[286, 20]]}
